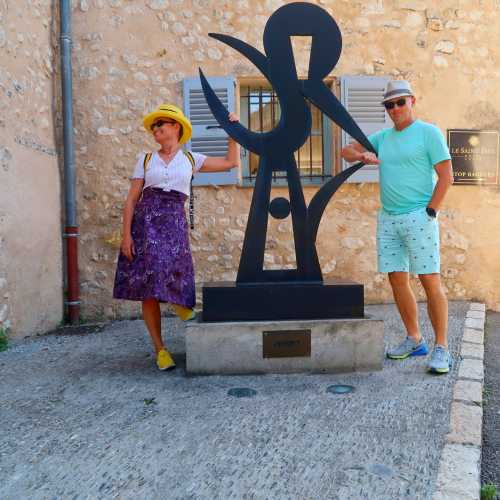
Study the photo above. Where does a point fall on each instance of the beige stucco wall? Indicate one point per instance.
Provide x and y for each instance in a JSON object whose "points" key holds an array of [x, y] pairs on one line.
{"points": [[131, 55], [30, 208]]}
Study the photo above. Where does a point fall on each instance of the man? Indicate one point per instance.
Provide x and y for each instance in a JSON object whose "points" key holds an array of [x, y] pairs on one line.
{"points": [[415, 174]]}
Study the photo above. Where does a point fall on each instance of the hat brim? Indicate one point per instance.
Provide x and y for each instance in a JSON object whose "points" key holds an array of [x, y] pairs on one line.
{"points": [[187, 129], [396, 95]]}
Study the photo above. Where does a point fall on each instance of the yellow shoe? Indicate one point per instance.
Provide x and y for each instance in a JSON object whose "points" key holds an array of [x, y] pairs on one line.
{"points": [[185, 313], [164, 361]]}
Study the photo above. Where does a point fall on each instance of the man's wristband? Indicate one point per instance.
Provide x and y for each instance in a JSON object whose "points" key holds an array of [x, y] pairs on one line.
{"points": [[430, 212]]}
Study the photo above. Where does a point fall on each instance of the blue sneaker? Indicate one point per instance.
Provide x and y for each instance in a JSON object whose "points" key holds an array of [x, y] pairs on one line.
{"points": [[440, 361], [408, 348]]}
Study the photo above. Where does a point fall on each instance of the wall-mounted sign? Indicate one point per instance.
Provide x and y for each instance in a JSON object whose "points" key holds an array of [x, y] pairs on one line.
{"points": [[474, 155]]}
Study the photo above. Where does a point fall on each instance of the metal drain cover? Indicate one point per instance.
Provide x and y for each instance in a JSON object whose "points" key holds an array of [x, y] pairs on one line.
{"points": [[242, 392], [340, 389]]}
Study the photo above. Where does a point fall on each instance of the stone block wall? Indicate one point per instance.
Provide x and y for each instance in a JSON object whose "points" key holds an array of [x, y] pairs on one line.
{"points": [[129, 56]]}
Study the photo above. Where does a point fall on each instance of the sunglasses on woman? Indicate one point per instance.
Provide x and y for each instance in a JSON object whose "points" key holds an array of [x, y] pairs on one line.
{"points": [[390, 105], [159, 123]]}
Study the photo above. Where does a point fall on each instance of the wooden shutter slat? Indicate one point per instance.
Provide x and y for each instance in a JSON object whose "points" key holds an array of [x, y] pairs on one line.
{"points": [[362, 97], [205, 140]]}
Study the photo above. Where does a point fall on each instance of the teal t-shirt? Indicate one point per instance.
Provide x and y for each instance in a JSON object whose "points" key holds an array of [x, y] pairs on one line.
{"points": [[407, 159]]}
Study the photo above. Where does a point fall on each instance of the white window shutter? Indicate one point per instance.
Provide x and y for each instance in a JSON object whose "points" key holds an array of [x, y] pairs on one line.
{"points": [[206, 139], [362, 97]]}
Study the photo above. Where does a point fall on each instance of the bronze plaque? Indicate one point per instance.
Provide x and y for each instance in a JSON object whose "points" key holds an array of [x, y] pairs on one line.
{"points": [[474, 156], [286, 344]]}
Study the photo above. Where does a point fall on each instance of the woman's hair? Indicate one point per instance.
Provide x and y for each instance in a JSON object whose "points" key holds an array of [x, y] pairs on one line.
{"points": [[181, 130]]}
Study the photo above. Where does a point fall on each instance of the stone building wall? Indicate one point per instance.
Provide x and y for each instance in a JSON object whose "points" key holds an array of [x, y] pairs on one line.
{"points": [[130, 56], [30, 208]]}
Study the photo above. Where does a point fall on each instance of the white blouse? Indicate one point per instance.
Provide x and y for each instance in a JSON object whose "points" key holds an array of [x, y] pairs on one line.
{"points": [[174, 176]]}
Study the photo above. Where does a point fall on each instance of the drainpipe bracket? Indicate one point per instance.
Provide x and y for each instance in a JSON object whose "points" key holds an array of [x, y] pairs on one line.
{"points": [[72, 302]]}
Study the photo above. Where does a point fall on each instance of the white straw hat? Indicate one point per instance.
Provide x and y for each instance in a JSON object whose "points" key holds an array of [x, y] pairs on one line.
{"points": [[397, 88]]}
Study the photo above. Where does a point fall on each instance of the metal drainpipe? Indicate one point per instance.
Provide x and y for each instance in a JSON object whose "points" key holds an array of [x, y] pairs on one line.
{"points": [[71, 233]]}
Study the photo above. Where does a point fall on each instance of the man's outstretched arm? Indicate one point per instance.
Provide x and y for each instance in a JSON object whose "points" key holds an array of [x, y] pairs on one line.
{"points": [[355, 152]]}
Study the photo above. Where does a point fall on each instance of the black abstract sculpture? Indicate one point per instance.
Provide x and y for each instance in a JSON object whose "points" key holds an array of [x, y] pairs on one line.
{"points": [[255, 287]]}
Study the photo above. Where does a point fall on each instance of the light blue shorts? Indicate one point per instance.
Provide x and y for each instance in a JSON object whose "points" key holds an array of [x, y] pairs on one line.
{"points": [[408, 243]]}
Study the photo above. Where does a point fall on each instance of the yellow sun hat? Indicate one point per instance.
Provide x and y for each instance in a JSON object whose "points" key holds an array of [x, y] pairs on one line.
{"points": [[173, 112]]}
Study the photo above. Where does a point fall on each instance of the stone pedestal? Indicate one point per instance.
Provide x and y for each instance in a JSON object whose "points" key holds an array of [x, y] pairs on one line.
{"points": [[336, 345]]}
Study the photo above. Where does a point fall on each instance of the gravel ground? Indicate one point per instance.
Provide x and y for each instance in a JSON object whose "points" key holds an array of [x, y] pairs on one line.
{"points": [[490, 465], [88, 416]]}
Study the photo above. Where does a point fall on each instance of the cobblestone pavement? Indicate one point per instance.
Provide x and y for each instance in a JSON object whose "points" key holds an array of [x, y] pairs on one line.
{"points": [[490, 466], [89, 416]]}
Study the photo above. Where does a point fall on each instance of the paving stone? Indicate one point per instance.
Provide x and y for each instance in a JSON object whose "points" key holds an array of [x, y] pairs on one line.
{"points": [[472, 350], [465, 424], [474, 336], [468, 390], [458, 477], [471, 369], [476, 314], [476, 324], [477, 306]]}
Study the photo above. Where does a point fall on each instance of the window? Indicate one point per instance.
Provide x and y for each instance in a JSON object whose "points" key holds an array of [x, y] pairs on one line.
{"points": [[260, 112], [318, 159]]}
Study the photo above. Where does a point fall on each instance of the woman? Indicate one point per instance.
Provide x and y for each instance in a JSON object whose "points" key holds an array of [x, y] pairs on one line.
{"points": [[155, 263]]}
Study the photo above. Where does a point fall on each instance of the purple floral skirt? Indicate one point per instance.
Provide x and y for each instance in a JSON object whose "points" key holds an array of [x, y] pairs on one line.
{"points": [[162, 267]]}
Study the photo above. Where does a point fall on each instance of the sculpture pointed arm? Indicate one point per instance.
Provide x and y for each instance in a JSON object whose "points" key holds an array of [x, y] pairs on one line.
{"points": [[248, 139], [323, 98], [252, 54], [320, 200]]}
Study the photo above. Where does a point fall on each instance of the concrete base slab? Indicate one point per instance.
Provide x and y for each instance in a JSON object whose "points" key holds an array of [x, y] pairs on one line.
{"points": [[337, 345]]}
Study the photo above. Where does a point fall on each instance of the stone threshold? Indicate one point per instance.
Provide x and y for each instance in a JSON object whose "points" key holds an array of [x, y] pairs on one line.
{"points": [[459, 476]]}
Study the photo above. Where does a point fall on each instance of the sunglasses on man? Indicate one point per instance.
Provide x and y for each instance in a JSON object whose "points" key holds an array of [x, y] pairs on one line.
{"points": [[390, 105], [159, 123]]}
